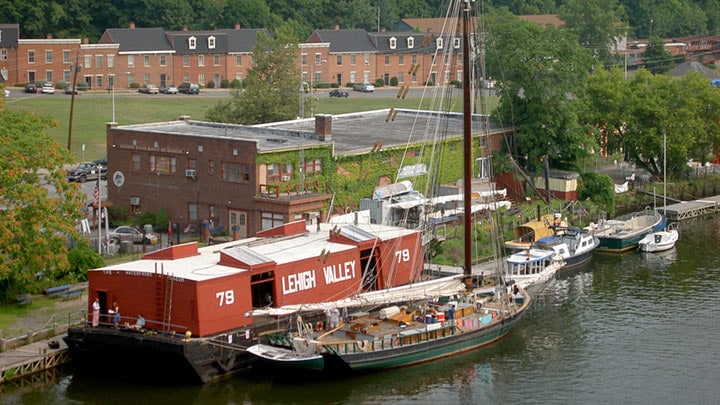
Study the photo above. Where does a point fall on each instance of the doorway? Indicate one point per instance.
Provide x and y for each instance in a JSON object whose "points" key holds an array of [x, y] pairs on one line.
{"points": [[237, 220]]}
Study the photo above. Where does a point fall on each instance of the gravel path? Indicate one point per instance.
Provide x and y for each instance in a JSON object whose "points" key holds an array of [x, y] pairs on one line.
{"points": [[40, 318]]}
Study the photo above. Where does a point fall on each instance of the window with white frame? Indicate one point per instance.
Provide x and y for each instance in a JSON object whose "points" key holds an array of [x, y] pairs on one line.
{"points": [[303, 59], [238, 60], [192, 43], [146, 60], [147, 78], [201, 79], [439, 43], [66, 56], [367, 58], [131, 60], [401, 60], [339, 60], [88, 61], [48, 56], [456, 43], [192, 211], [411, 42], [98, 61], [111, 61], [271, 220], [99, 81], [393, 42], [31, 56], [163, 60], [3, 54], [211, 42], [201, 60], [239, 76], [216, 59], [387, 60], [352, 59], [352, 77], [186, 61]]}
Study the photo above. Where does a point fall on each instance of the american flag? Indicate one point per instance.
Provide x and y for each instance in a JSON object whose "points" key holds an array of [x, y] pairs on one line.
{"points": [[96, 195]]}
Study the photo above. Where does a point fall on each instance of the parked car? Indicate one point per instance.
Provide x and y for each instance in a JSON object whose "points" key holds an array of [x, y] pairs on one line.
{"points": [[48, 88], [168, 89], [70, 89], [7, 93], [149, 89], [31, 88], [339, 93], [129, 233], [189, 88], [364, 87]]}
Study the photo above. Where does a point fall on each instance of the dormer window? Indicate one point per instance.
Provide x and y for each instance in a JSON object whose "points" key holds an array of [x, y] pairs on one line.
{"points": [[393, 43], [211, 42], [439, 43], [411, 42], [192, 43], [456, 43]]}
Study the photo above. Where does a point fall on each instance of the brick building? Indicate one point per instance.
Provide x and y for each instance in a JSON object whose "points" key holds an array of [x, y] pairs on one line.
{"points": [[241, 180]]}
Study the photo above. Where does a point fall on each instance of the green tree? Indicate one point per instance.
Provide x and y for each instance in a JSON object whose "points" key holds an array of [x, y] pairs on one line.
{"points": [[271, 87], [39, 207], [655, 58], [542, 72], [595, 22]]}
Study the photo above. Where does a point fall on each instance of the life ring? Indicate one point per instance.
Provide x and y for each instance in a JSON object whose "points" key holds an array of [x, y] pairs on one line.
{"points": [[319, 326], [363, 345]]}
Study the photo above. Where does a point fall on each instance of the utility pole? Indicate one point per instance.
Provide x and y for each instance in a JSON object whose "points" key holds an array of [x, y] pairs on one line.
{"points": [[72, 100]]}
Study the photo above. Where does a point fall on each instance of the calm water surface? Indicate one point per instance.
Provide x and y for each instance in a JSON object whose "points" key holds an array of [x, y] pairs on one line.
{"points": [[636, 328]]}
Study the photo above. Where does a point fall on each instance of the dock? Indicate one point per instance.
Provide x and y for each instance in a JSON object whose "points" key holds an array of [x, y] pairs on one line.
{"points": [[692, 209], [33, 358]]}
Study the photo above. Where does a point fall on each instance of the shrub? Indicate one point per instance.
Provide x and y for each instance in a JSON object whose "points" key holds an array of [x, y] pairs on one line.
{"points": [[394, 81], [132, 85], [82, 85], [236, 84], [350, 84], [211, 85], [224, 84], [334, 85], [379, 83]]}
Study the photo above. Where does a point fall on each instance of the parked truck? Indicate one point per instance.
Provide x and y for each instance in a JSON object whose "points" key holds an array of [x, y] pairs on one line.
{"points": [[86, 171]]}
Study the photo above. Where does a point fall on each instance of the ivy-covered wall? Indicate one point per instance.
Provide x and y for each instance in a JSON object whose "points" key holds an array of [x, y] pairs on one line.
{"points": [[357, 176]]}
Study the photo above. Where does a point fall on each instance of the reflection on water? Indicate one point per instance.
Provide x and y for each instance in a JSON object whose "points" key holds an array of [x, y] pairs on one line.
{"points": [[635, 328]]}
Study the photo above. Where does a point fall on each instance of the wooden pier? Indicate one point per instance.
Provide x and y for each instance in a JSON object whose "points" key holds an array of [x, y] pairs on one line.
{"points": [[33, 358], [692, 209]]}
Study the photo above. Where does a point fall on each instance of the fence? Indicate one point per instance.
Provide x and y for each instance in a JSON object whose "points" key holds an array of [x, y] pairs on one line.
{"points": [[56, 325]]}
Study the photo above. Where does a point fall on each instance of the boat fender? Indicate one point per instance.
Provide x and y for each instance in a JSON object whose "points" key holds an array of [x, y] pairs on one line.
{"points": [[363, 345], [397, 341], [494, 315], [319, 326]]}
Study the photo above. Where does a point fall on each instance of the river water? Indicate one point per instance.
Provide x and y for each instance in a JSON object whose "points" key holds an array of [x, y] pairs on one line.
{"points": [[636, 328]]}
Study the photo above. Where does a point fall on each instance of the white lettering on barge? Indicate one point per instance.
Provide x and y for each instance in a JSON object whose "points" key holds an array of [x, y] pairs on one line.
{"points": [[302, 281], [336, 273]]}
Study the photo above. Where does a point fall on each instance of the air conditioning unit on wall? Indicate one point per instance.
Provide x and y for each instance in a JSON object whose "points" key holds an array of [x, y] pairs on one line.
{"points": [[285, 178], [134, 200], [190, 173]]}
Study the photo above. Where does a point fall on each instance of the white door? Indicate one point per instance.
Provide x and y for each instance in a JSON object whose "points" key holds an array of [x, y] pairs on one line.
{"points": [[238, 219]]}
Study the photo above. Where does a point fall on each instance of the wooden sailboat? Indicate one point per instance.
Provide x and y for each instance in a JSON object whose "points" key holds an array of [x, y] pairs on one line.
{"points": [[664, 239], [419, 327]]}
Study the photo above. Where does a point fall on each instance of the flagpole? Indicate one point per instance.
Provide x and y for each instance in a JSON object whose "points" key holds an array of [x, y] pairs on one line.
{"points": [[99, 214]]}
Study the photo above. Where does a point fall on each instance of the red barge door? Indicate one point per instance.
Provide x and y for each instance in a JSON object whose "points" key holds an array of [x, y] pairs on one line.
{"points": [[261, 289]]}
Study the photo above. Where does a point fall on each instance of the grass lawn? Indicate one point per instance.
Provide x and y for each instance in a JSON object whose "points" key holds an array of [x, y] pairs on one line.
{"points": [[91, 112], [9, 313]]}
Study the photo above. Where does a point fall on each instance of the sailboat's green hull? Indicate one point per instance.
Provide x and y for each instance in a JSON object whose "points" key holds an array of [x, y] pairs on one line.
{"points": [[406, 355]]}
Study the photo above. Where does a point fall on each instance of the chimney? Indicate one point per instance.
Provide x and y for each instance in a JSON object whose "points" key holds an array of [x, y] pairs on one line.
{"points": [[323, 127], [132, 25], [337, 27], [237, 26], [86, 41], [48, 36], [184, 29]]}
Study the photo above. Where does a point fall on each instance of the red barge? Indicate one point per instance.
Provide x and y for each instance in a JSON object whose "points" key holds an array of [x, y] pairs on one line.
{"points": [[197, 301]]}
